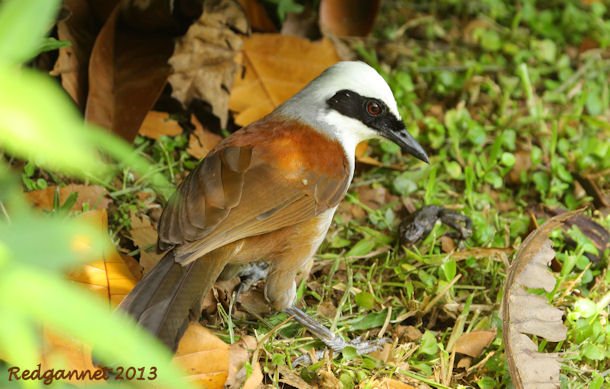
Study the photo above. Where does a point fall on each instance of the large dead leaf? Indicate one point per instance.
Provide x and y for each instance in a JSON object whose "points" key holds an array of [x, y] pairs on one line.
{"points": [[127, 71], [203, 62], [211, 363], [95, 197], [525, 313], [276, 67], [80, 28], [204, 356]]}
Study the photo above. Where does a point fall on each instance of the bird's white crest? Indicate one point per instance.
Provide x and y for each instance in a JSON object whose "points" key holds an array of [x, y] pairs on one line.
{"points": [[310, 104]]}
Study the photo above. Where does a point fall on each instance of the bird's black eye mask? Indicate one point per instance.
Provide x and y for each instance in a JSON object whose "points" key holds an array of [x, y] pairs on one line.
{"points": [[370, 111]]}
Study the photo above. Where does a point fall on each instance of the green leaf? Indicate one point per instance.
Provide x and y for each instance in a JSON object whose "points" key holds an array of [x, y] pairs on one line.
{"points": [[365, 300], [454, 169], [38, 123], [362, 247], [58, 242], [404, 184], [23, 24], [507, 159], [449, 269], [349, 353], [545, 50], [372, 320], [50, 44], [594, 352], [490, 40], [586, 308], [428, 344]]}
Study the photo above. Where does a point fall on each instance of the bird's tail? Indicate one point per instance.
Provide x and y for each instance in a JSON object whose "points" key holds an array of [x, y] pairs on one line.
{"points": [[163, 300]]}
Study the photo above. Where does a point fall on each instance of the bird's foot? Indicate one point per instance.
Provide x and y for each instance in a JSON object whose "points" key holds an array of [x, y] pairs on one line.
{"points": [[361, 346], [420, 223], [330, 339]]}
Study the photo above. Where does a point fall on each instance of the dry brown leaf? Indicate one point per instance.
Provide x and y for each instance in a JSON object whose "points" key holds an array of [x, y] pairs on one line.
{"points": [[239, 355], [385, 354], [144, 235], [204, 357], [410, 333], [390, 383], [327, 380], [276, 67], [80, 29], [127, 72], [348, 17], [94, 196], [473, 343], [464, 363], [256, 378], [203, 62], [525, 313], [257, 16], [588, 182], [292, 379], [201, 141], [157, 124]]}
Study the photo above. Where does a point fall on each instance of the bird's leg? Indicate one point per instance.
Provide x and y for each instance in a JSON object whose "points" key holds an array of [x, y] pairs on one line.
{"points": [[250, 274], [329, 338]]}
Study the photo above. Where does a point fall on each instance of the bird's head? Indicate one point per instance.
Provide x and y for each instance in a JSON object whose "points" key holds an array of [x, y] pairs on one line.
{"points": [[351, 102]]}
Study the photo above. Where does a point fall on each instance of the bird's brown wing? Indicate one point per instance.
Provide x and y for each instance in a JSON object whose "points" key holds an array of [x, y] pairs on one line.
{"points": [[247, 188]]}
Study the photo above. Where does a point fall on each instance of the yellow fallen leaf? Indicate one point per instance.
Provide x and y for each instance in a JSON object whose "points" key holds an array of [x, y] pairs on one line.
{"points": [[276, 67], [94, 196], [156, 124], [390, 383], [109, 277], [204, 357]]}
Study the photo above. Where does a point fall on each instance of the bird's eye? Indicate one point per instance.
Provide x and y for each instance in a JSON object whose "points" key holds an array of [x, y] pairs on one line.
{"points": [[374, 108]]}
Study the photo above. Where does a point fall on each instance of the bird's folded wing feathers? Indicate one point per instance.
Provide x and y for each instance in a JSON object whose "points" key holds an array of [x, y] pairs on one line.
{"points": [[237, 192]]}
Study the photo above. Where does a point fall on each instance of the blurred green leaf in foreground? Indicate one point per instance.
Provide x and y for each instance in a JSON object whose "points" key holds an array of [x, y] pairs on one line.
{"points": [[38, 123]]}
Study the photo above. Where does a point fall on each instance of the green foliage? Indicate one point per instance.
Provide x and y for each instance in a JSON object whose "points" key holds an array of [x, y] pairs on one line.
{"points": [[285, 7], [38, 123], [511, 106]]}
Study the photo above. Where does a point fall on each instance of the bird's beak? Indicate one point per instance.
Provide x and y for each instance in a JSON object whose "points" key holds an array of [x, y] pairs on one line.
{"points": [[408, 144], [394, 129]]}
